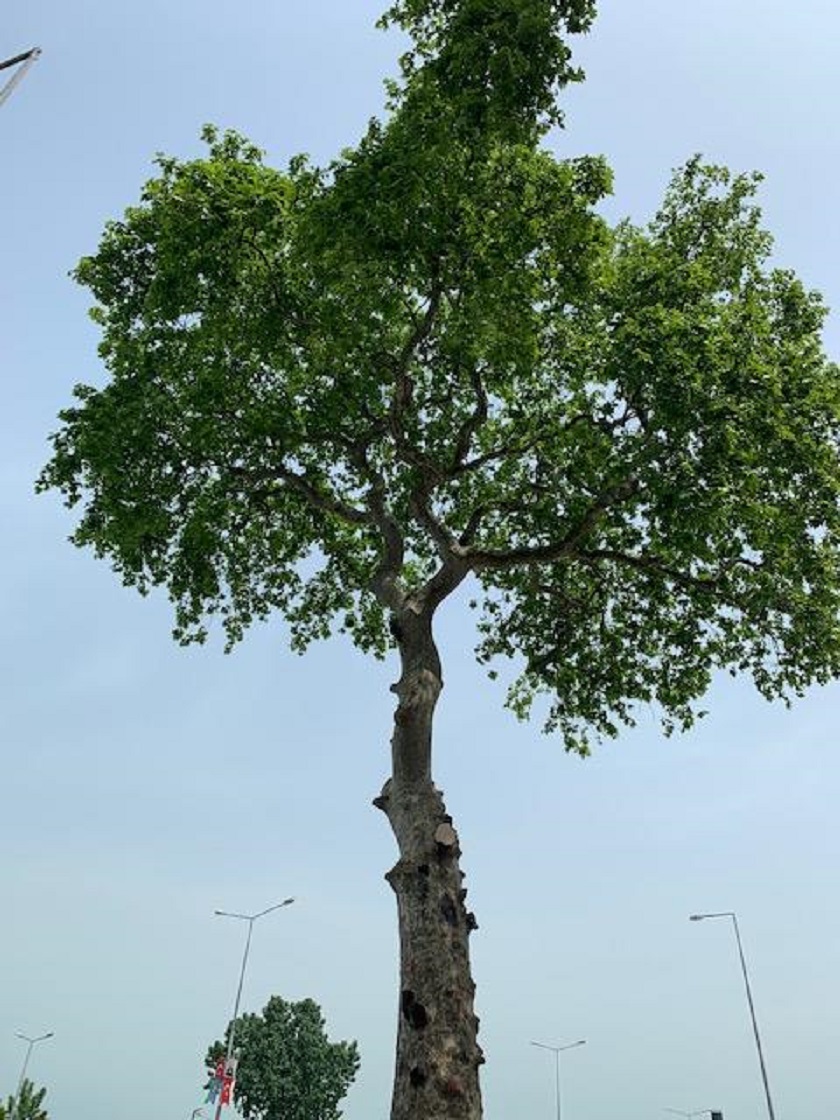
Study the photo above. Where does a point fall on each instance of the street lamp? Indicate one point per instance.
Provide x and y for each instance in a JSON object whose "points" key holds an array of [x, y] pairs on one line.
{"points": [[250, 919], [23, 62], [688, 1115], [731, 914], [31, 1043], [557, 1051]]}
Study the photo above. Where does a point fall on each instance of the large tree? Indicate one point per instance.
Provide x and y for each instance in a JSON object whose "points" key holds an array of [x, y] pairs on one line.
{"points": [[288, 1069], [340, 394]]}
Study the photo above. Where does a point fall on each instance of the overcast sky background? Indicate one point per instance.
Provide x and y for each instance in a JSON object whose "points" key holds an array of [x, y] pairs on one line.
{"points": [[144, 785]]}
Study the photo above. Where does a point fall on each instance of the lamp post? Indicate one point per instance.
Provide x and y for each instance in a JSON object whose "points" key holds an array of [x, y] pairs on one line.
{"points": [[250, 919], [30, 1045], [23, 62], [557, 1051], [731, 914]]}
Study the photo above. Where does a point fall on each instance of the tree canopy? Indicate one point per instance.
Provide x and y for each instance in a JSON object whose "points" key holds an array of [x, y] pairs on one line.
{"points": [[328, 386], [288, 1069]]}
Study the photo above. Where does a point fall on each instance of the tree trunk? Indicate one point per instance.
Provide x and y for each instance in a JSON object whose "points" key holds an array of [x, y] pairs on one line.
{"points": [[438, 1056]]}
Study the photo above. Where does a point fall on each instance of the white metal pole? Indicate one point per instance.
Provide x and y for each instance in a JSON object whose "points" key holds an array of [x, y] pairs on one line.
{"points": [[754, 1020], [731, 914], [250, 919], [232, 1031], [26, 61], [557, 1080], [557, 1051], [29, 1048], [22, 1078]]}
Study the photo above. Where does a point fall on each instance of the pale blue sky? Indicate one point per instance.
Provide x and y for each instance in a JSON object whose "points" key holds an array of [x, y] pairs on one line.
{"points": [[144, 785]]}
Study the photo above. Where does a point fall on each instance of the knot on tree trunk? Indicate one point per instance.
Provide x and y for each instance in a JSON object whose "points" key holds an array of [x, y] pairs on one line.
{"points": [[418, 692], [383, 800], [446, 839]]}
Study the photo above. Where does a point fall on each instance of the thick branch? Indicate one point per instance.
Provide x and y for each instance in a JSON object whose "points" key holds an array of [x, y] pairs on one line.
{"points": [[444, 541], [472, 424], [646, 562], [568, 545], [480, 512], [506, 451], [449, 575], [454, 566], [386, 579], [318, 498], [322, 500], [403, 397], [514, 448], [386, 582]]}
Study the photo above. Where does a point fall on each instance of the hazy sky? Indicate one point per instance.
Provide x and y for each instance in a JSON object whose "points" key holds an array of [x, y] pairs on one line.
{"points": [[144, 785]]}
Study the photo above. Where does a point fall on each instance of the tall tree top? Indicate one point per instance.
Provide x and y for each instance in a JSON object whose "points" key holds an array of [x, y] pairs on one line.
{"points": [[491, 64]]}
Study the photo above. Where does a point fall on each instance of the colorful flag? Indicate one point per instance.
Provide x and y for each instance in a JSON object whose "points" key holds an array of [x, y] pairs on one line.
{"points": [[215, 1084]]}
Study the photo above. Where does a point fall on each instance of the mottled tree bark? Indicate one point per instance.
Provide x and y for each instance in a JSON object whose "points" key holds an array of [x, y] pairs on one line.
{"points": [[438, 1056]]}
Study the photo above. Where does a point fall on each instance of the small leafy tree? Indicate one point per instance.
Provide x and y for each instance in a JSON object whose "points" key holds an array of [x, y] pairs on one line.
{"points": [[341, 394], [28, 1106], [288, 1069]]}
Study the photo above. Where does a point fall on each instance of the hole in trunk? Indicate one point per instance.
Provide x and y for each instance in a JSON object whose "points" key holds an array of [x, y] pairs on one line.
{"points": [[449, 910], [418, 1077], [414, 1011]]}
